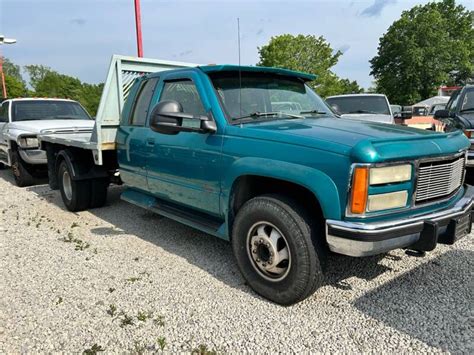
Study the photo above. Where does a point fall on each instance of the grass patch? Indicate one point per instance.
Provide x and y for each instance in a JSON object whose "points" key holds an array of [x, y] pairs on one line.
{"points": [[202, 350], [161, 341], [94, 349], [133, 279], [143, 316], [126, 320], [112, 310], [159, 321]]}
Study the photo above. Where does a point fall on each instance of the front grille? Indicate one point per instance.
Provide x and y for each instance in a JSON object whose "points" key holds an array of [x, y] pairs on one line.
{"points": [[439, 179]]}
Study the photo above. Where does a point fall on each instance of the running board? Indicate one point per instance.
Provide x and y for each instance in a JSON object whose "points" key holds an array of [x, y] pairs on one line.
{"points": [[192, 218]]}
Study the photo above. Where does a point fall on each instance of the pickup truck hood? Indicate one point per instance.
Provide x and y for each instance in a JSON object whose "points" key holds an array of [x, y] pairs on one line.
{"points": [[362, 141], [369, 117], [44, 126]]}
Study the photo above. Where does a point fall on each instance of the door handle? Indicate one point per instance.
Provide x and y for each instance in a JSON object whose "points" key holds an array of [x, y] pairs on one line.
{"points": [[150, 142]]}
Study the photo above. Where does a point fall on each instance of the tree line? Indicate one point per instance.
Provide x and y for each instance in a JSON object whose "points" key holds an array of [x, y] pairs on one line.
{"points": [[429, 46], [45, 82]]}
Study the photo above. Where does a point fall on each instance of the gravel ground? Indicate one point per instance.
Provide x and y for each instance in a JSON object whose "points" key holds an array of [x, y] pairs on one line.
{"points": [[123, 279]]}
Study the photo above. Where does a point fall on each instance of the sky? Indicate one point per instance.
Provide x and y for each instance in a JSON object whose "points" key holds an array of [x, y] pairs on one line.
{"points": [[78, 37]]}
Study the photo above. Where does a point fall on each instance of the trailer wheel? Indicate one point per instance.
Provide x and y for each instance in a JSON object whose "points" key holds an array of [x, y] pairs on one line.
{"points": [[275, 244], [20, 172], [76, 194], [99, 189]]}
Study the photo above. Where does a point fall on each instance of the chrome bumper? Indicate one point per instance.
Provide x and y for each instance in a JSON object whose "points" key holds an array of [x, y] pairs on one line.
{"points": [[363, 239], [33, 156]]}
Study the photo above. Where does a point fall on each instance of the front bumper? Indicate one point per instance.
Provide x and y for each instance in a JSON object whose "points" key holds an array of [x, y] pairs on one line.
{"points": [[33, 156], [470, 158], [421, 232]]}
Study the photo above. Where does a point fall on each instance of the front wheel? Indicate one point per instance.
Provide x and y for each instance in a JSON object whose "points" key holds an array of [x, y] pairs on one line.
{"points": [[22, 175], [276, 247], [76, 194]]}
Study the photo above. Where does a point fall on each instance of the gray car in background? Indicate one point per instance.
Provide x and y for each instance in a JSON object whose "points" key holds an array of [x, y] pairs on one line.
{"points": [[365, 107]]}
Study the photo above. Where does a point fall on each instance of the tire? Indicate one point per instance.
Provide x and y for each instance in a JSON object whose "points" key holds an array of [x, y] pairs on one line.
{"points": [[2, 166], [21, 174], [99, 189], [76, 194], [292, 279]]}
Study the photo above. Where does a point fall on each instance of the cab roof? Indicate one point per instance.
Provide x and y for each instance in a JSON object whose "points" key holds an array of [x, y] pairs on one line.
{"points": [[255, 69]]}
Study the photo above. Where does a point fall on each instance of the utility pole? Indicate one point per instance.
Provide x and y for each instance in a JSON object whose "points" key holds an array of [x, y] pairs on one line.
{"points": [[4, 40], [138, 25]]}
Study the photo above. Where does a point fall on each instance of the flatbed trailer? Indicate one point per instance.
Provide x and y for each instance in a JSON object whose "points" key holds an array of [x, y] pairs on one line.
{"points": [[91, 155]]}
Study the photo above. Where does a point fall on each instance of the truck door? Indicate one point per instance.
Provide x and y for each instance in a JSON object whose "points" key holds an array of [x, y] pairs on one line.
{"points": [[4, 108], [132, 147], [184, 168]]}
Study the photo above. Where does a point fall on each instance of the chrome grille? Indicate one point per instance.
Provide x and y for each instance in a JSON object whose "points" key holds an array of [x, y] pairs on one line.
{"points": [[439, 179]]}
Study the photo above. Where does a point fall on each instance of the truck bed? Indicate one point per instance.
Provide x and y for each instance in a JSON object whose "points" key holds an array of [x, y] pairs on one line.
{"points": [[78, 140]]}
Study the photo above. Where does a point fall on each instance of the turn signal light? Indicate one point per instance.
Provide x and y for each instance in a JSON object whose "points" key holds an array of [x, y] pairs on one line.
{"points": [[359, 190]]}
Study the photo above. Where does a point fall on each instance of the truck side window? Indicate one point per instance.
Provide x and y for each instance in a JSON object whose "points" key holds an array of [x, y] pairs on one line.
{"points": [[4, 112], [142, 103], [185, 92]]}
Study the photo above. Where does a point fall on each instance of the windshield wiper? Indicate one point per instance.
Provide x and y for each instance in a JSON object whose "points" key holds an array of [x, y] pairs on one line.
{"points": [[266, 114], [317, 112], [471, 109]]}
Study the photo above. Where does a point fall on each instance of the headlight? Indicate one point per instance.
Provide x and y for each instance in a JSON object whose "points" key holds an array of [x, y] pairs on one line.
{"points": [[28, 142], [361, 199], [390, 174], [387, 201]]}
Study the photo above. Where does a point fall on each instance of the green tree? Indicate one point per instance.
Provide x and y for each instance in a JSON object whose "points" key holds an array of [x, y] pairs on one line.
{"points": [[49, 83], [428, 46], [14, 83], [309, 54], [37, 73]]}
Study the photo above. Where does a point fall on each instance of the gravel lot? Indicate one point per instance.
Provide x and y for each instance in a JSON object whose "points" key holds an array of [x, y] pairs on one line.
{"points": [[123, 279]]}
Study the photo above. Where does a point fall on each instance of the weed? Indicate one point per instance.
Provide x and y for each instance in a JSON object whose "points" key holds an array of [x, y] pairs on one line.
{"points": [[111, 289], [74, 225], [136, 258], [112, 310], [94, 349], [143, 316], [159, 321], [202, 350], [58, 231], [145, 273], [161, 342], [126, 320], [80, 245], [133, 279], [95, 251], [59, 300]]}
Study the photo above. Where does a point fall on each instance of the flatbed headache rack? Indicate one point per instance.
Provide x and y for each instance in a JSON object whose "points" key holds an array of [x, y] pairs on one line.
{"points": [[123, 71]]}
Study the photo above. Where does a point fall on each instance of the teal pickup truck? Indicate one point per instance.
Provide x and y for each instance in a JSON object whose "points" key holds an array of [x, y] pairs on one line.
{"points": [[204, 145]]}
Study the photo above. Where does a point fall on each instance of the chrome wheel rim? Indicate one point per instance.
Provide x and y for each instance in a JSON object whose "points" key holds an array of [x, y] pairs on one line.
{"points": [[268, 251], [67, 185]]}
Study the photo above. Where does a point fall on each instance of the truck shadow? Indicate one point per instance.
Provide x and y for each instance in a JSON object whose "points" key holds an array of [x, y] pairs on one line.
{"points": [[437, 292]]}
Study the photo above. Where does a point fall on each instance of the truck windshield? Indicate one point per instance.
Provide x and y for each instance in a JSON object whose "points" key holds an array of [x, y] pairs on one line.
{"points": [[268, 97], [29, 110], [359, 104]]}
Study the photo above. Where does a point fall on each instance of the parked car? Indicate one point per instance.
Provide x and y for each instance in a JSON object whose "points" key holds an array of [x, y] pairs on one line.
{"points": [[366, 107], [21, 120], [459, 115], [284, 188]]}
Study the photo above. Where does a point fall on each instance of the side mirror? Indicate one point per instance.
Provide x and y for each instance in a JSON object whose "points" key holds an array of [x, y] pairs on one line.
{"points": [[441, 114], [167, 118]]}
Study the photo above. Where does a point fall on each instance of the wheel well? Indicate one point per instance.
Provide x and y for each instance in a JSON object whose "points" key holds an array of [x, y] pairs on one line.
{"points": [[249, 186]]}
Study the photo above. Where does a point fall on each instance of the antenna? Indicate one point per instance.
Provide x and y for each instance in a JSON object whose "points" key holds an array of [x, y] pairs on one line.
{"points": [[240, 71]]}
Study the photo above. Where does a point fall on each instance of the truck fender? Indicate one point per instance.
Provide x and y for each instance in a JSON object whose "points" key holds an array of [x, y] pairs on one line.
{"points": [[81, 169], [320, 184]]}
